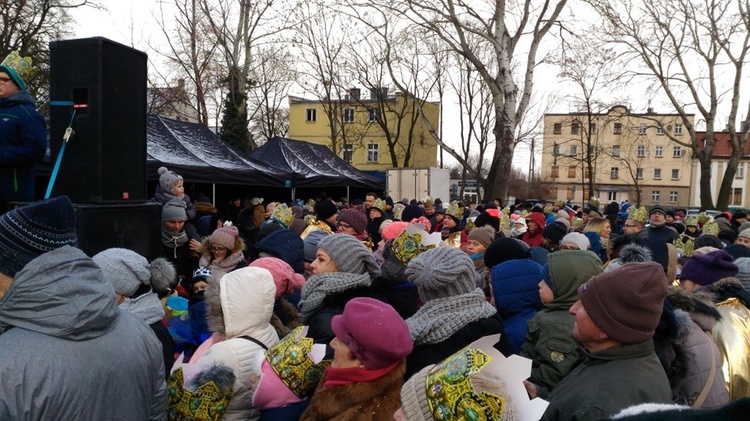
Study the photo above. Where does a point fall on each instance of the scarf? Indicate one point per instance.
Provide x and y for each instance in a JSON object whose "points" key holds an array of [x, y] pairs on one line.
{"points": [[318, 287], [173, 241], [439, 319], [344, 376], [225, 264], [515, 233]]}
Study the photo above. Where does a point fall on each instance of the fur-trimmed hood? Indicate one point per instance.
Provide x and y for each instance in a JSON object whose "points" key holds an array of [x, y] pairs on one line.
{"points": [[698, 304], [727, 288]]}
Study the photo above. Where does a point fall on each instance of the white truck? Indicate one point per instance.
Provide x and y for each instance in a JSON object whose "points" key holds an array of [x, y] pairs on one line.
{"points": [[418, 183]]}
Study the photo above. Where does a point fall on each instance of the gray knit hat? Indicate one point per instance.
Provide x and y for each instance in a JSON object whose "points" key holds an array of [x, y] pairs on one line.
{"points": [[173, 210], [127, 271], [167, 179], [442, 272], [349, 254]]}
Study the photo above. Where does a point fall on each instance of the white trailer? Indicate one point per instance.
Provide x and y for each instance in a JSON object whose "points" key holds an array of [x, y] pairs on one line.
{"points": [[418, 183]]}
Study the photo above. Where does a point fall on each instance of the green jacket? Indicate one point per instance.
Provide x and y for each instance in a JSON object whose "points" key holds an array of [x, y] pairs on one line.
{"points": [[609, 381]]}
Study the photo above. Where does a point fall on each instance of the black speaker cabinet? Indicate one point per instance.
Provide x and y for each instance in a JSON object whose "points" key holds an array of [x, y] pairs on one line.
{"points": [[132, 226], [105, 160]]}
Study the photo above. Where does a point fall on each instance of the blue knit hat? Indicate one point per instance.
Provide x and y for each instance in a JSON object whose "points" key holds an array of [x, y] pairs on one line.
{"points": [[32, 230]]}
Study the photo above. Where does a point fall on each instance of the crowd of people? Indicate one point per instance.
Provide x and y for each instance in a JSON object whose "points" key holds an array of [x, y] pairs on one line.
{"points": [[375, 310]]}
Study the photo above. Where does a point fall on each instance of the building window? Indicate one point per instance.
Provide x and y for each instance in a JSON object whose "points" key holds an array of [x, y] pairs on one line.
{"points": [[555, 171], [677, 152], [612, 196], [678, 129], [592, 151], [574, 127], [618, 128], [572, 171], [557, 128], [573, 150], [655, 196], [347, 153], [349, 115], [374, 115], [569, 194], [740, 171], [659, 130], [616, 150], [592, 128], [672, 196], [312, 114], [736, 197], [372, 152], [659, 152], [642, 129], [586, 194], [675, 174], [639, 173], [586, 172], [657, 173], [614, 173], [641, 151]]}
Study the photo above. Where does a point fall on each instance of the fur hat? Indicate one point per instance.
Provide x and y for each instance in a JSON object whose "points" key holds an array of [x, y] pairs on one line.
{"points": [[577, 239], [554, 232], [373, 331], [17, 68], [174, 210], [129, 272], [225, 237], [32, 230], [504, 249], [627, 312], [349, 254], [355, 218], [442, 272], [325, 209], [705, 269], [287, 281], [167, 179]]}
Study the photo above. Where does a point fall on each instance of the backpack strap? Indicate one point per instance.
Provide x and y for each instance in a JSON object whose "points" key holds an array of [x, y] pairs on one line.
{"points": [[257, 342]]}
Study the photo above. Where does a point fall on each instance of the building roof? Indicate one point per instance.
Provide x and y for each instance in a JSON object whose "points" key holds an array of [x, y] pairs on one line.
{"points": [[722, 146]]}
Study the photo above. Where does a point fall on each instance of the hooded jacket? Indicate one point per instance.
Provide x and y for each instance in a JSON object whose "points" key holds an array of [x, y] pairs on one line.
{"points": [[23, 141], [70, 352], [534, 239], [516, 292]]}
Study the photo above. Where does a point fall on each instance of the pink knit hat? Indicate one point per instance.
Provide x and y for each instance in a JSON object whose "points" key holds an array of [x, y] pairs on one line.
{"points": [[225, 237], [395, 229], [286, 279]]}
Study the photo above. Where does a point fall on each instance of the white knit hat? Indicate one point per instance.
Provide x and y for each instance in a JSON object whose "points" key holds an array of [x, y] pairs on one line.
{"points": [[577, 239]]}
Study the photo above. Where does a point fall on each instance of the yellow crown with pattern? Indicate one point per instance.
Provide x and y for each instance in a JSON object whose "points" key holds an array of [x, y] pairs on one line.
{"points": [[398, 210], [506, 210], [428, 202], [524, 214], [207, 402], [18, 68], [703, 218], [283, 215], [379, 204], [290, 360], [470, 223], [576, 222], [691, 220], [412, 242], [594, 201], [687, 246], [639, 214], [559, 202], [711, 228], [548, 209], [455, 210], [505, 221]]}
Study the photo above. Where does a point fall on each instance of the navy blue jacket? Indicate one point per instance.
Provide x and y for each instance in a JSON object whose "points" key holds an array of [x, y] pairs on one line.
{"points": [[23, 142]]}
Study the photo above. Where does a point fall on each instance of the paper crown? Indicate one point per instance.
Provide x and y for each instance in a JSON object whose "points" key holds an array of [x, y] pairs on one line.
{"points": [[687, 246], [505, 221], [455, 210], [379, 204], [207, 402], [413, 241], [691, 220], [548, 209], [298, 361], [524, 213], [639, 214], [703, 218], [594, 201], [283, 215], [506, 210], [576, 222], [470, 223], [559, 202], [398, 209], [18, 68], [711, 228]]}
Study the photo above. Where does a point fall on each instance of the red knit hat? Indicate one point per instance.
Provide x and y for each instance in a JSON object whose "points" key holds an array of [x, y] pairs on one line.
{"points": [[395, 229], [355, 218], [286, 279]]}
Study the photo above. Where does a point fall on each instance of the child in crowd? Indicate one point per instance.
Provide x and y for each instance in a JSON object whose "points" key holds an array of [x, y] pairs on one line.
{"points": [[171, 186]]}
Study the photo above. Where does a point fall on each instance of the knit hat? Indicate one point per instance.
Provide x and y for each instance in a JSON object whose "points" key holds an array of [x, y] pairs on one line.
{"points": [[504, 249], [442, 272], [167, 179], [349, 254], [287, 246], [32, 230], [325, 209], [626, 303], [562, 214], [705, 269], [737, 251], [743, 274], [484, 235], [355, 218], [411, 212], [744, 234], [128, 271], [311, 244], [286, 280], [554, 232], [17, 68], [577, 239], [225, 236], [174, 210], [374, 332], [657, 208], [394, 230]]}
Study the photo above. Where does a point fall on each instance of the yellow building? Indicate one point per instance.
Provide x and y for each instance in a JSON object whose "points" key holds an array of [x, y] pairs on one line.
{"points": [[629, 154], [372, 134]]}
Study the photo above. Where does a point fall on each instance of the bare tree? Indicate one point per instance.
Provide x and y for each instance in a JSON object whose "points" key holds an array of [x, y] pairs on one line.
{"points": [[687, 49], [274, 75]]}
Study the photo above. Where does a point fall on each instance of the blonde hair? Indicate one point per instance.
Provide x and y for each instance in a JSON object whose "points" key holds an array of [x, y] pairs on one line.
{"points": [[596, 225]]}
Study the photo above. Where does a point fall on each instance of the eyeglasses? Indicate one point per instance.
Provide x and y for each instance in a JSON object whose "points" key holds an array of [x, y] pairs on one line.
{"points": [[344, 225], [218, 249], [4, 80]]}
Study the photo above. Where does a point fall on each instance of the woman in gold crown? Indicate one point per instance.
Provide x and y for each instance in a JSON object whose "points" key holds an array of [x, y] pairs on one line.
{"points": [[450, 228]]}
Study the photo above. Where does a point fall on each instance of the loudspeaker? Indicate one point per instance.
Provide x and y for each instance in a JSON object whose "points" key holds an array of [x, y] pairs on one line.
{"points": [[132, 226], [105, 160]]}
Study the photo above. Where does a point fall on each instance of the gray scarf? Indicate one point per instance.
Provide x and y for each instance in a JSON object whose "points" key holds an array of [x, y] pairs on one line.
{"points": [[440, 318], [173, 241], [318, 287]]}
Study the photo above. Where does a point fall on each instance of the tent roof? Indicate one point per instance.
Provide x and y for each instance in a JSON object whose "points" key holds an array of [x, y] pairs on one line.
{"points": [[312, 165]]}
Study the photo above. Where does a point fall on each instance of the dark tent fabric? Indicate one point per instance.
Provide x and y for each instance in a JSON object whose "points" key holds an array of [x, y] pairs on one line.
{"points": [[312, 165], [197, 154]]}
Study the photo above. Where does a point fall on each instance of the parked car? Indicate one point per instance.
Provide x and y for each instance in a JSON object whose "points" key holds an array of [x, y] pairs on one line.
{"points": [[695, 212]]}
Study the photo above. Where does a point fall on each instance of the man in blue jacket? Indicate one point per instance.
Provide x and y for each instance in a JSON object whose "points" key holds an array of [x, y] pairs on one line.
{"points": [[23, 134]]}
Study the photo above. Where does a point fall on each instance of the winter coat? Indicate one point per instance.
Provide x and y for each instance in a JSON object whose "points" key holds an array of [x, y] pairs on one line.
{"points": [[607, 382], [516, 291], [70, 353], [375, 400], [161, 196], [697, 350], [184, 260], [246, 298], [535, 239], [23, 142], [662, 233], [149, 309], [319, 325]]}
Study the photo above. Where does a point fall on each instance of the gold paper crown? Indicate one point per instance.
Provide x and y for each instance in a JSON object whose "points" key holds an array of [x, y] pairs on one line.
{"points": [[428, 202], [398, 210], [703, 218], [548, 209], [559, 202], [283, 215], [504, 221], [451, 394], [576, 222], [208, 402], [687, 246], [594, 201], [455, 210], [691, 220], [470, 223], [22, 66], [412, 242], [638, 214], [290, 360], [711, 228], [379, 204], [524, 214], [506, 210]]}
